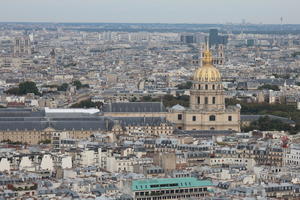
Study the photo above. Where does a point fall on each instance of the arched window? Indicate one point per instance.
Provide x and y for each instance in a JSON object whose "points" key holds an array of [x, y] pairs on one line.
{"points": [[212, 118], [199, 87], [206, 87], [213, 87], [214, 100]]}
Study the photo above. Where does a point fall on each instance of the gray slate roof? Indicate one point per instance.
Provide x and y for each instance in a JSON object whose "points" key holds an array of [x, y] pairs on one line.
{"points": [[24, 119], [134, 107]]}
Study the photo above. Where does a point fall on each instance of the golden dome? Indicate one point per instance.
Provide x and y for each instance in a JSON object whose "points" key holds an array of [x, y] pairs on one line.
{"points": [[207, 73]]}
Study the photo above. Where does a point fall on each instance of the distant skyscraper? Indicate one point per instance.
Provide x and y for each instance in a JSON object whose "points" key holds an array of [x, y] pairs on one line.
{"points": [[215, 38], [22, 46], [188, 39]]}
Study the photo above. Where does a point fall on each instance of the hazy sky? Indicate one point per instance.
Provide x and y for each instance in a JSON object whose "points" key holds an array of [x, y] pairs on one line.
{"points": [[161, 11]]}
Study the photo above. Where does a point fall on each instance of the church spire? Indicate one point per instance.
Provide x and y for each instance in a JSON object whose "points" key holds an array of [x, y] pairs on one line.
{"points": [[207, 56]]}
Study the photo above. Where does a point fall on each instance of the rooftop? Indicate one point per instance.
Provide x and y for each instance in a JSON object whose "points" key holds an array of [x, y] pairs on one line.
{"points": [[168, 183]]}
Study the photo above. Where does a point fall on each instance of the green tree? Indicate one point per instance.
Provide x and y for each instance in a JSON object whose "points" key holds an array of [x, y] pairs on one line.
{"points": [[282, 110], [87, 104], [265, 123], [187, 85], [28, 87], [63, 87], [269, 87], [79, 85]]}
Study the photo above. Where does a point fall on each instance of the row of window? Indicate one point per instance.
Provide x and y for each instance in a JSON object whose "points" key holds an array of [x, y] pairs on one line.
{"points": [[206, 87], [213, 100], [171, 191], [211, 118]]}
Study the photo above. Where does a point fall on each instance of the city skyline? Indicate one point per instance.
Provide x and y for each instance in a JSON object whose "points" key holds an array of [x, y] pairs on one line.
{"points": [[155, 11]]}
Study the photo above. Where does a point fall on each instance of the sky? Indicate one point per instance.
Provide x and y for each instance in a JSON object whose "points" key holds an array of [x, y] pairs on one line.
{"points": [[151, 11]]}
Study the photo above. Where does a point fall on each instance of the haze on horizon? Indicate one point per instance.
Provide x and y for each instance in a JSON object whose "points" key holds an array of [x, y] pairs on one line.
{"points": [[151, 11]]}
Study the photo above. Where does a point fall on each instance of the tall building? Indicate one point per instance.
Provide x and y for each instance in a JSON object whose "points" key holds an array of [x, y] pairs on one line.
{"points": [[22, 46], [188, 39], [215, 38]]}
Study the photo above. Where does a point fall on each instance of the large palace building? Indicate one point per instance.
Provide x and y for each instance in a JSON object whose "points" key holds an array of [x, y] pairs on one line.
{"points": [[207, 109]]}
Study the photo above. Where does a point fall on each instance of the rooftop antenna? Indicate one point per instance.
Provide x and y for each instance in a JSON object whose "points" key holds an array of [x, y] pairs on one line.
{"points": [[281, 23], [207, 44], [161, 104]]}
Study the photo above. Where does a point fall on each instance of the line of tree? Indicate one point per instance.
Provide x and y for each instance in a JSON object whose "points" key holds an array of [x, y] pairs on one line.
{"points": [[63, 87], [281, 110], [265, 123], [269, 87], [79, 85], [87, 103], [187, 85]]}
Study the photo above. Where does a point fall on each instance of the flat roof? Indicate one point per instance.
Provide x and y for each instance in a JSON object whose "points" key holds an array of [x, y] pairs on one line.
{"points": [[168, 183]]}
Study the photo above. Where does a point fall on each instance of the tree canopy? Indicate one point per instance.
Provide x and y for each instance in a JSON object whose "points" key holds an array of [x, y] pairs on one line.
{"points": [[282, 110], [79, 85], [269, 87], [24, 88], [87, 104], [265, 123], [63, 87], [187, 85]]}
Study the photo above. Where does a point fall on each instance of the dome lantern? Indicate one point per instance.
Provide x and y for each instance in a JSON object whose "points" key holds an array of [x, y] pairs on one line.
{"points": [[207, 73]]}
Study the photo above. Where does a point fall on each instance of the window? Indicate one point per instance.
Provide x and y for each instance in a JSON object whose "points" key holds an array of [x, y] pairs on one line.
{"points": [[179, 116], [206, 87], [212, 118], [214, 100], [206, 100], [179, 127], [198, 100], [213, 87], [229, 118], [194, 118], [212, 128], [199, 87]]}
